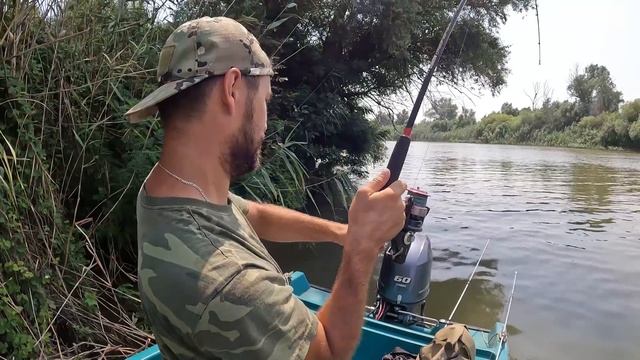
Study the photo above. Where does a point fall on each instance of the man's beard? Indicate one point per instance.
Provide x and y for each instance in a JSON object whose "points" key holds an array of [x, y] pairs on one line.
{"points": [[244, 151]]}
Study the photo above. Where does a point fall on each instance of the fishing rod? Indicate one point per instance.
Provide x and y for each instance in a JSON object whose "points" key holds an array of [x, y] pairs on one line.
{"points": [[468, 281], [399, 154], [503, 334]]}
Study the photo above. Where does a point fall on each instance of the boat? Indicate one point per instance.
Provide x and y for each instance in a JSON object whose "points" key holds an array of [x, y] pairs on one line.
{"points": [[381, 337]]}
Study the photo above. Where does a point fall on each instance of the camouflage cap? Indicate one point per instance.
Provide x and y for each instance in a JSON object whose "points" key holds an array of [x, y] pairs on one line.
{"points": [[197, 50]]}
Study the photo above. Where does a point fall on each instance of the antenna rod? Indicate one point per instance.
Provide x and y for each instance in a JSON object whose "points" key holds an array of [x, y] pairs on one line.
{"points": [[468, 281], [399, 154], [539, 46], [503, 334]]}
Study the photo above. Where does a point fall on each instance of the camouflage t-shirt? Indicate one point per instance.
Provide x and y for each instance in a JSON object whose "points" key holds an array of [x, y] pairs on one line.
{"points": [[209, 287]]}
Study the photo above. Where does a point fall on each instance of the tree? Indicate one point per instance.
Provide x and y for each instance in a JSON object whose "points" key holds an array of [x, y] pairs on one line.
{"points": [[388, 118], [561, 114], [594, 90], [402, 117], [341, 53], [507, 108], [465, 118], [631, 111], [442, 109], [384, 118], [338, 56], [634, 133], [541, 93]]}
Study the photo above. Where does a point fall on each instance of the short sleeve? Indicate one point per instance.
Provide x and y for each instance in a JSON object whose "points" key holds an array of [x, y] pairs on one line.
{"points": [[241, 203], [256, 316]]}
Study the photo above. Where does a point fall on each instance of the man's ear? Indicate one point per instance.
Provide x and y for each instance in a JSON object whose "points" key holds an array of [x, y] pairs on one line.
{"points": [[230, 87]]}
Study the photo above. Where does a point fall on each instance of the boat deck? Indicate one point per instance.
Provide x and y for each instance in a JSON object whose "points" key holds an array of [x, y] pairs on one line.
{"points": [[380, 338]]}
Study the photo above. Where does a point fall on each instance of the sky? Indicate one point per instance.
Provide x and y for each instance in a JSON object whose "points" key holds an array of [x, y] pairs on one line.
{"points": [[573, 32]]}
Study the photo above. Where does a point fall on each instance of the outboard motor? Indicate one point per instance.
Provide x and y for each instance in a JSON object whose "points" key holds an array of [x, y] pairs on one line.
{"points": [[405, 275]]}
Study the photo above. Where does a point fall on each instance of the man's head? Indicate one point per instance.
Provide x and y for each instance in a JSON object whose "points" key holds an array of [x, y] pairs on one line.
{"points": [[215, 82]]}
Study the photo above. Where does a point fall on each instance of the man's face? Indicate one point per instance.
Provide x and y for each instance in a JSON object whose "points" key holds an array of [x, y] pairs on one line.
{"points": [[245, 148]]}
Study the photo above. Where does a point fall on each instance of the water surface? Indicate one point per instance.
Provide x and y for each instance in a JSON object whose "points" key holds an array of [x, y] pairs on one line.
{"points": [[567, 220]]}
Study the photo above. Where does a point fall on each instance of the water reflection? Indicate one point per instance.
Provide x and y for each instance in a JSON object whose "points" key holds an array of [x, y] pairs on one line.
{"points": [[449, 258], [319, 262], [444, 166], [482, 304], [591, 187]]}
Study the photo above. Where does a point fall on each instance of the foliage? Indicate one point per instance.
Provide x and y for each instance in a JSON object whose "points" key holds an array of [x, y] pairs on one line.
{"points": [[384, 118], [555, 123], [631, 111], [388, 118], [465, 118], [442, 109], [594, 91], [634, 132], [507, 108]]}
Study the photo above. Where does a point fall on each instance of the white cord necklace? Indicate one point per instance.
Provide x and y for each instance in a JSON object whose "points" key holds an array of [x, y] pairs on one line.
{"points": [[185, 182]]}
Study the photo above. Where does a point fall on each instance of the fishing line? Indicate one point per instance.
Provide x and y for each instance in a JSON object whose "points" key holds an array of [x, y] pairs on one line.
{"points": [[459, 57], [415, 181]]}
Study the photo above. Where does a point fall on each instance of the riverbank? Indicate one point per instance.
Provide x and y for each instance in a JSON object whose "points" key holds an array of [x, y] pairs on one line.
{"points": [[572, 124], [394, 137], [608, 130]]}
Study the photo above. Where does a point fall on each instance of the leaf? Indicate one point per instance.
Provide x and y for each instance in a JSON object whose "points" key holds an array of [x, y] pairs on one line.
{"points": [[343, 196], [255, 197], [275, 24], [91, 300], [310, 196], [290, 5], [75, 134]]}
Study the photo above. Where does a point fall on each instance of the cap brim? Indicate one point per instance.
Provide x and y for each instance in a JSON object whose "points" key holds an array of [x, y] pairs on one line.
{"points": [[148, 106]]}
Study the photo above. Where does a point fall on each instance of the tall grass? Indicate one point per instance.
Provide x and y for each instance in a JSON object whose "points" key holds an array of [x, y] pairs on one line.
{"points": [[70, 167]]}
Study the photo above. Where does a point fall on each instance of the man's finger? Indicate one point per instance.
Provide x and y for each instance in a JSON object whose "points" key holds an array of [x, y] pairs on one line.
{"points": [[398, 187], [378, 182]]}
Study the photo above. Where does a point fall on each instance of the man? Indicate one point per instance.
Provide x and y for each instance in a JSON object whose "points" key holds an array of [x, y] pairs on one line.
{"points": [[208, 286]]}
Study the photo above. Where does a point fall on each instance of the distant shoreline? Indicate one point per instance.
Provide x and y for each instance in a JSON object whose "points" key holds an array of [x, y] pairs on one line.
{"points": [[576, 146]]}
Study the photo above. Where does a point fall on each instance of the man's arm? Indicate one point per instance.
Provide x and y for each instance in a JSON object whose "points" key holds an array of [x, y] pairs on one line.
{"points": [[276, 223], [374, 217], [341, 317]]}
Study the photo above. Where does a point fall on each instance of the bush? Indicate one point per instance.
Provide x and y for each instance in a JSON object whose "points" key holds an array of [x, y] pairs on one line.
{"points": [[614, 132], [631, 111], [592, 122], [634, 134], [553, 125], [496, 127]]}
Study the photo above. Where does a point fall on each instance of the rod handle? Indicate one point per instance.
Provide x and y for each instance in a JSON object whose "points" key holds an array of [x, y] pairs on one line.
{"points": [[396, 161]]}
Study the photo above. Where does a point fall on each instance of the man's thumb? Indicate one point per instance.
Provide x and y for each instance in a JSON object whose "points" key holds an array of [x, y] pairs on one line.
{"points": [[379, 181]]}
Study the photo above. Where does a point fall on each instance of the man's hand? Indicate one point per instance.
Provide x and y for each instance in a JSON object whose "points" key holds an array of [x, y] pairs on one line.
{"points": [[375, 216]]}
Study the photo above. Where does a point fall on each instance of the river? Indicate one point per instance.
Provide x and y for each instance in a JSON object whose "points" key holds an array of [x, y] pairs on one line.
{"points": [[568, 220]]}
